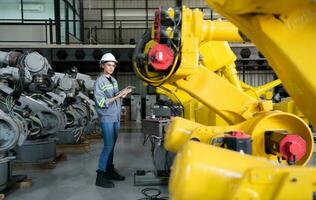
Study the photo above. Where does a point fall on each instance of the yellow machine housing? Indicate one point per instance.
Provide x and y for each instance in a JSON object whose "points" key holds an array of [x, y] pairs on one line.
{"points": [[180, 56], [181, 131], [195, 60], [284, 31], [288, 105], [201, 171]]}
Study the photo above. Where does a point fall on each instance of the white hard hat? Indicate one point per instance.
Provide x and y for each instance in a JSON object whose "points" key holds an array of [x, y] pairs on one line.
{"points": [[108, 57]]}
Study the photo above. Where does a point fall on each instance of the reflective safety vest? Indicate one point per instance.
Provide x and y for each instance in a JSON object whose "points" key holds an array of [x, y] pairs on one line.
{"points": [[103, 91]]}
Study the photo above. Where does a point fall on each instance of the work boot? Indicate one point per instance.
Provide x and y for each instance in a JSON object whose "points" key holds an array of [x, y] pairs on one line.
{"points": [[112, 174], [102, 181]]}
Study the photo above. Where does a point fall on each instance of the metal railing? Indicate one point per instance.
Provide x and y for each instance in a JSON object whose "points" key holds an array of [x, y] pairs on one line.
{"points": [[113, 29], [46, 24]]}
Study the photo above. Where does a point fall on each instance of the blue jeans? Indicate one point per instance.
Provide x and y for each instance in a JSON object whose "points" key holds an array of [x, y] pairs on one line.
{"points": [[109, 132]]}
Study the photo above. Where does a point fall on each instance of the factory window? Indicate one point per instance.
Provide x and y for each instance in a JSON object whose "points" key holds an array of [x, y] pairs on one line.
{"points": [[9, 11], [38, 10]]}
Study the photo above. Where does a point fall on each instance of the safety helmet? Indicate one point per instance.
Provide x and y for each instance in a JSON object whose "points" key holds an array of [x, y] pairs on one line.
{"points": [[108, 57]]}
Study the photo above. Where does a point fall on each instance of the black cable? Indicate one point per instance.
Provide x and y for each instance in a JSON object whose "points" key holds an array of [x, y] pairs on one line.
{"points": [[176, 109], [153, 146], [155, 196], [166, 164], [19, 87]]}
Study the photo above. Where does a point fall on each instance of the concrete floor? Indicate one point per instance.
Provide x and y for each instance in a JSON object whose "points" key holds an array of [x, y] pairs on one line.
{"points": [[74, 179]]}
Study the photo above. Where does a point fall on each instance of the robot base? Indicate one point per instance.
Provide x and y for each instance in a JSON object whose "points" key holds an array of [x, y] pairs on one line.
{"points": [[5, 172], [36, 151]]}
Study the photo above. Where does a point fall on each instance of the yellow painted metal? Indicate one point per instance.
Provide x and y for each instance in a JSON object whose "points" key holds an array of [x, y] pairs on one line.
{"points": [[217, 55], [194, 31], [219, 93], [193, 109], [181, 130], [171, 12], [257, 92], [216, 86], [216, 97], [284, 31], [201, 171], [208, 30], [232, 111], [219, 76], [218, 58], [206, 116], [288, 105]]}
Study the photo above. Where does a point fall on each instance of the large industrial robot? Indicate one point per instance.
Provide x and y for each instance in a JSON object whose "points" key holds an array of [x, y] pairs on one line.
{"points": [[218, 63], [79, 108], [86, 84], [179, 52], [37, 105], [204, 73], [22, 116]]}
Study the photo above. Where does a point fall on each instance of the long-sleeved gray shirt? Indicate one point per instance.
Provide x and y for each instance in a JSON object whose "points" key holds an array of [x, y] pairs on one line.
{"points": [[103, 91]]}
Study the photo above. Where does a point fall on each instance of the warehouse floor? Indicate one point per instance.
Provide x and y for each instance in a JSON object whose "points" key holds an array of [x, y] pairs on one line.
{"points": [[74, 178]]}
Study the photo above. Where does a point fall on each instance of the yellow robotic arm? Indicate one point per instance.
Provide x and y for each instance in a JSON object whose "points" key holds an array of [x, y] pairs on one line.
{"points": [[193, 109], [187, 52], [284, 31], [204, 172], [180, 52]]}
